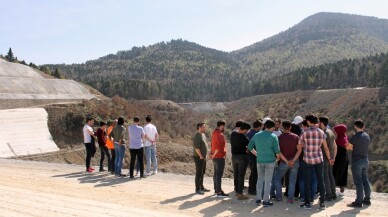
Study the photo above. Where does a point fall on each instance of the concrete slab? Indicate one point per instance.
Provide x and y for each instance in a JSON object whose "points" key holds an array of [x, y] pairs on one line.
{"points": [[25, 132], [17, 70]]}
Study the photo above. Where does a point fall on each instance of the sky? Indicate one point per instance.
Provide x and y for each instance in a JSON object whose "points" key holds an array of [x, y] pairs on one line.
{"points": [[75, 31]]}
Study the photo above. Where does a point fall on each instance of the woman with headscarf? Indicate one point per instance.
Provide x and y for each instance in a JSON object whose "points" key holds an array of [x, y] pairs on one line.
{"points": [[340, 168]]}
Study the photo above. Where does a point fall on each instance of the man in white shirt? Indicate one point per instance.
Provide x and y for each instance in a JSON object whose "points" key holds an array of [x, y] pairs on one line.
{"points": [[151, 136], [89, 142]]}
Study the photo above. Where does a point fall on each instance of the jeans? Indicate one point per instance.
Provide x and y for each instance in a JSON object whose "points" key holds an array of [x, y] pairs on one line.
{"points": [[360, 178], [139, 154], [119, 152], [265, 174], [313, 185], [112, 160], [240, 163], [88, 158], [200, 168], [307, 170], [329, 179], [104, 151], [279, 174], [253, 175], [219, 166], [150, 152]]}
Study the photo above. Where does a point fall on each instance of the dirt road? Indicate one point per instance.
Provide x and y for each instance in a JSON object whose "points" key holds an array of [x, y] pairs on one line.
{"points": [[42, 189]]}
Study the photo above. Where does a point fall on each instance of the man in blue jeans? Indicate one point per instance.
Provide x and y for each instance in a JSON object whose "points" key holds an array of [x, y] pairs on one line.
{"points": [[288, 143], [312, 139], [360, 164], [150, 139], [118, 135]]}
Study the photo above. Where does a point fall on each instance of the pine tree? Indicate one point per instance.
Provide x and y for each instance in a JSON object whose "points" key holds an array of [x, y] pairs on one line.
{"points": [[10, 57], [58, 74]]}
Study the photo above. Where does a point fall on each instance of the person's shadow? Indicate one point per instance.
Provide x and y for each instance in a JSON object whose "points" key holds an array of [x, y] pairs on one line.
{"points": [[176, 199]]}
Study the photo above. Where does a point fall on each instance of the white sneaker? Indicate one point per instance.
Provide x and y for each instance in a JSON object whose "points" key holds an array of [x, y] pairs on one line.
{"points": [[155, 172]]}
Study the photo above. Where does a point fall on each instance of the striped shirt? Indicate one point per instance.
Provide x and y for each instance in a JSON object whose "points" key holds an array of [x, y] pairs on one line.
{"points": [[312, 140]]}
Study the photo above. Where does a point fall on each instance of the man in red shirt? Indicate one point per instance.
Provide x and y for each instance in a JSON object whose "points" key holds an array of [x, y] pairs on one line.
{"points": [[218, 153]]}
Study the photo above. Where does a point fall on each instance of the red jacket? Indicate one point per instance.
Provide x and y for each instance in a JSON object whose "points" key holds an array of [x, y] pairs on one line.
{"points": [[218, 142]]}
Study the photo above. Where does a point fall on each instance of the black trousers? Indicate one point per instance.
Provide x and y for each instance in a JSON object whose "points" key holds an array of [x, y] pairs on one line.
{"points": [[307, 170], [240, 163], [112, 160], [219, 166], [89, 153], [104, 152], [253, 176], [139, 154], [200, 168]]}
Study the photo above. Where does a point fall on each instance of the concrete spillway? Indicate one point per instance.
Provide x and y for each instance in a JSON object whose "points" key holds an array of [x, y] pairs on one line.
{"points": [[25, 132]]}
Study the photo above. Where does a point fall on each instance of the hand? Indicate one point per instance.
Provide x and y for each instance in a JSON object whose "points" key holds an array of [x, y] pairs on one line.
{"points": [[291, 163], [300, 146], [331, 161], [201, 157]]}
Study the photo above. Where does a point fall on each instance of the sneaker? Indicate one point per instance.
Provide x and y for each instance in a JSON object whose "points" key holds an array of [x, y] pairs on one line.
{"points": [[252, 192], [301, 200], [89, 170], [278, 199], [102, 170], [155, 172], [205, 190], [258, 202], [242, 197], [355, 205], [200, 192], [273, 197], [290, 201], [305, 206], [334, 197], [322, 205], [328, 198], [222, 194], [366, 202], [267, 203]]}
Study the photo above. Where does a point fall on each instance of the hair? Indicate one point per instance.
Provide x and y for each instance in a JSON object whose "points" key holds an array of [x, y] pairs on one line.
{"points": [[278, 120], [245, 126], [220, 123], [239, 123], [136, 119], [286, 125], [324, 120], [148, 118], [89, 119], [359, 124], [269, 124], [120, 121], [304, 123], [257, 124], [312, 118], [199, 125], [102, 123]]}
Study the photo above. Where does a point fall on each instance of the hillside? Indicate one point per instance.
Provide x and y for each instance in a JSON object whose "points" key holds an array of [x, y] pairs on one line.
{"points": [[183, 71]]}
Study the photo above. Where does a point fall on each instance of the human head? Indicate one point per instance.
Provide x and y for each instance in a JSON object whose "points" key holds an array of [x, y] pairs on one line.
{"points": [[89, 121], [297, 120], [120, 121], [221, 125], [257, 125], [323, 122], [278, 123], [311, 119], [244, 128], [340, 129], [269, 125], [305, 124], [201, 127], [286, 126], [359, 125], [136, 119], [148, 118], [102, 124], [238, 124]]}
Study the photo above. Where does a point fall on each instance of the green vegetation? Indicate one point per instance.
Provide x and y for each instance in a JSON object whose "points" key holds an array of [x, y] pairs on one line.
{"points": [[10, 56]]}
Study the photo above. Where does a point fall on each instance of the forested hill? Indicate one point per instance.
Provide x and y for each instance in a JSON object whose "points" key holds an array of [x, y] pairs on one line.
{"points": [[371, 71], [184, 71]]}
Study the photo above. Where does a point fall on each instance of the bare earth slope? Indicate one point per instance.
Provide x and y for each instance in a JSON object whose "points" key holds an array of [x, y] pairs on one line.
{"points": [[42, 189]]}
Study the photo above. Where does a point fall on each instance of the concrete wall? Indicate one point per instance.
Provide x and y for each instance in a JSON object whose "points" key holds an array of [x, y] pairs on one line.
{"points": [[25, 132]]}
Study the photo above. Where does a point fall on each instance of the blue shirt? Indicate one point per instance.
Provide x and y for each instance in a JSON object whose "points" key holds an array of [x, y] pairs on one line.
{"points": [[136, 134], [251, 133]]}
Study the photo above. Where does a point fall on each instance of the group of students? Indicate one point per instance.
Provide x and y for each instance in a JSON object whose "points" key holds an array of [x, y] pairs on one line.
{"points": [[113, 136], [301, 153]]}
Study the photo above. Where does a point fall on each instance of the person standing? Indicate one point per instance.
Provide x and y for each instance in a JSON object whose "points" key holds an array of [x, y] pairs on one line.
{"points": [[218, 153], [288, 143], [118, 135], [327, 168], [311, 140], [277, 130], [239, 143], [111, 146], [151, 137], [265, 145], [360, 145], [88, 142], [136, 137], [340, 168], [252, 158], [102, 140], [199, 155]]}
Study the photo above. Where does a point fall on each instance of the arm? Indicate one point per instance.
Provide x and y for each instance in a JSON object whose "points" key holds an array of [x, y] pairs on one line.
{"points": [[199, 153], [251, 144], [327, 152], [335, 150], [281, 156], [296, 157]]}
